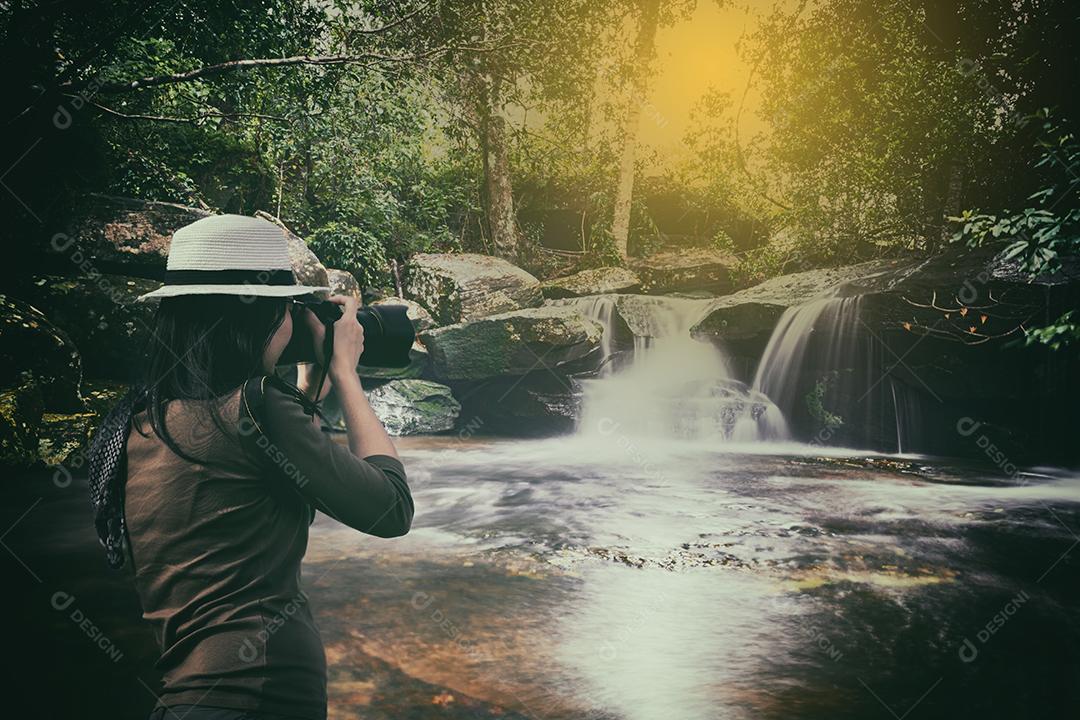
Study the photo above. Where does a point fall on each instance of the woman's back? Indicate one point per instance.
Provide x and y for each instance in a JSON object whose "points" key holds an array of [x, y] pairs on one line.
{"points": [[217, 547]]}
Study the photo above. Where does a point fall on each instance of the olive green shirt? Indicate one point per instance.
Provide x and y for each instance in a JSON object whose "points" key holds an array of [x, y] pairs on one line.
{"points": [[216, 545]]}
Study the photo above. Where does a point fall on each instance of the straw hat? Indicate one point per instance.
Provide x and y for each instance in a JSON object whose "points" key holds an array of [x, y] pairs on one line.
{"points": [[230, 255]]}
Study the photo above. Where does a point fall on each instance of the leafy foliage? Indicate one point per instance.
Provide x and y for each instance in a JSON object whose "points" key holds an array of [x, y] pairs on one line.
{"points": [[352, 249], [1041, 237]]}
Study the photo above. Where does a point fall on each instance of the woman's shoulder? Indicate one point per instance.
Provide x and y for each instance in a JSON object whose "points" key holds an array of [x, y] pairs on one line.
{"points": [[271, 395]]}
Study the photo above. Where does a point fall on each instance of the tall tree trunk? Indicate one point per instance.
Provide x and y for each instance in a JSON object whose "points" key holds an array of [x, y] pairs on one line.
{"points": [[643, 52], [954, 194], [500, 195]]}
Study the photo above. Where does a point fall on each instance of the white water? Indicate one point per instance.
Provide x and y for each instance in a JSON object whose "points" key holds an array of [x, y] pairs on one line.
{"points": [[657, 382], [674, 387]]}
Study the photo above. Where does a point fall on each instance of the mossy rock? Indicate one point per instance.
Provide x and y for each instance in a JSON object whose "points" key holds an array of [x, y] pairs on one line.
{"points": [[596, 281], [411, 407]]}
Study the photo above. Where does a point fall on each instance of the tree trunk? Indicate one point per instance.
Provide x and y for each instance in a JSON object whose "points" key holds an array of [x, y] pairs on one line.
{"points": [[624, 193], [953, 198], [499, 190]]}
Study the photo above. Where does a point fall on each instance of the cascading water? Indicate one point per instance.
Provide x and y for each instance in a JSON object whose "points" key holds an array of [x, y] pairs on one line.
{"points": [[673, 386], [824, 350], [830, 323]]}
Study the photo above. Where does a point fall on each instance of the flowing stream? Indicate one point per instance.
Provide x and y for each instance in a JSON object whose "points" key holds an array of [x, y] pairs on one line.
{"points": [[679, 556]]}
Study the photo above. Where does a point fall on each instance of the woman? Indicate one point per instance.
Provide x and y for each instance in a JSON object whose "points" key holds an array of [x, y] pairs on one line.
{"points": [[225, 467]]}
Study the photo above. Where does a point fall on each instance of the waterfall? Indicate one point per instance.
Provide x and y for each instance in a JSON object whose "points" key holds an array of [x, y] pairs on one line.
{"points": [[671, 386], [830, 375], [831, 324]]}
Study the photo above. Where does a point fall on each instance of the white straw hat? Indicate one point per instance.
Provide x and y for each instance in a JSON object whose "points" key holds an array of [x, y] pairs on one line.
{"points": [[229, 255]]}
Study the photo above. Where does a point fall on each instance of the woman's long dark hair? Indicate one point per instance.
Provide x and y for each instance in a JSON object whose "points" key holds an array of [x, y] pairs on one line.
{"points": [[202, 348]]}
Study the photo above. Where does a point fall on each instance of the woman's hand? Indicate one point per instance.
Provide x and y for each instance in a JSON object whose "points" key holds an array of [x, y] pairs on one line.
{"points": [[348, 338]]}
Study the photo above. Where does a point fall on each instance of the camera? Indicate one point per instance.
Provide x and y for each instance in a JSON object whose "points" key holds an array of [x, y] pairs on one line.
{"points": [[388, 334]]}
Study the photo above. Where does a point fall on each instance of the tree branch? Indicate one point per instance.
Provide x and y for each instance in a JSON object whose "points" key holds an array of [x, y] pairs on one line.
{"points": [[194, 119], [220, 68]]}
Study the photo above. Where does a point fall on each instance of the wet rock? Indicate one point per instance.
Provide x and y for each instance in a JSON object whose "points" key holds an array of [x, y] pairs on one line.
{"points": [[685, 269], [32, 348], [458, 287], [539, 403], [342, 282], [604, 309], [593, 282], [751, 314], [512, 343], [411, 407]]}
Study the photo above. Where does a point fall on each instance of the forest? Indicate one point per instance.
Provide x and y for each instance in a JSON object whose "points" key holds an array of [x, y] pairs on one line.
{"points": [[744, 378]]}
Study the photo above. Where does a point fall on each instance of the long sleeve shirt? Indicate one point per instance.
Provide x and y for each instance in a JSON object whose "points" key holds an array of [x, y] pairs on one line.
{"points": [[217, 544]]}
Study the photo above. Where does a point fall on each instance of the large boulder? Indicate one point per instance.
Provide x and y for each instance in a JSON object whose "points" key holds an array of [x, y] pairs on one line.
{"points": [[342, 282], [305, 265], [411, 407], [685, 270], [112, 232], [131, 237], [542, 402], [419, 362], [512, 343], [33, 348], [597, 281], [458, 287], [101, 316]]}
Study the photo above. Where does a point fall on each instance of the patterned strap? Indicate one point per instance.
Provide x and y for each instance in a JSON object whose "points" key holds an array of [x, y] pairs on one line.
{"points": [[107, 475]]}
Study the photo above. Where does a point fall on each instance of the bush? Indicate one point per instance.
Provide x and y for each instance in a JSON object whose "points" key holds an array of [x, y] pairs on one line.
{"points": [[354, 249]]}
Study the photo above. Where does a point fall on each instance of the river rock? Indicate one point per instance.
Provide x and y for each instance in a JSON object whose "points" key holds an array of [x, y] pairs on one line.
{"points": [[458, 287], [101, 316], [683, 270], [33, 348], [342, 282], [593, 282], [603, 308], [543, 402], [512, 343], [411, 407]]}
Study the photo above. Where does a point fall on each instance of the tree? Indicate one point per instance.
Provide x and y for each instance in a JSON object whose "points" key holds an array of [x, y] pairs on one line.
{"points": [[644, 50]]}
